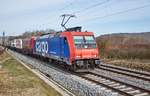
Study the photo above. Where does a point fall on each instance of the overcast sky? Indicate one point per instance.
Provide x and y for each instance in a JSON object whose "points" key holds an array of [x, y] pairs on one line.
{"points": [[111, 16]]}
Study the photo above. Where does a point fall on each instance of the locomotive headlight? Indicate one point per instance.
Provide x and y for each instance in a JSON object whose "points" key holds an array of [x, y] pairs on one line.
{"points": [[95, 55], [97, 61], [78, 56]]}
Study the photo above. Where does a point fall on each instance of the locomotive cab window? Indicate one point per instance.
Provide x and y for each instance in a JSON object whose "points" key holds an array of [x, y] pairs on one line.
{"points": [[78, 41], [84, 42], [89, 42]]}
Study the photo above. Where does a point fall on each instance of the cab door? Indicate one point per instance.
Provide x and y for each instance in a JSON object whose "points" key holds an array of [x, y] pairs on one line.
{"points": [[64, 48]]}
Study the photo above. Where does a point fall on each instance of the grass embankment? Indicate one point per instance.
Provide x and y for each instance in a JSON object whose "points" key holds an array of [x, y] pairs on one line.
{"points": [[126, 50], [16, 80], [130, 58], [3, 55]]}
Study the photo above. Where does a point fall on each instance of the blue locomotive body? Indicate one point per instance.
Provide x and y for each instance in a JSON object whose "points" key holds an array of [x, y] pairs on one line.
{"points": [[55, 47]]}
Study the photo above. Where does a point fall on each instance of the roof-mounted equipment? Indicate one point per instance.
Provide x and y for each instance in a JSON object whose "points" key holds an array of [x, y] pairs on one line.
{"points": [[66, 18]]}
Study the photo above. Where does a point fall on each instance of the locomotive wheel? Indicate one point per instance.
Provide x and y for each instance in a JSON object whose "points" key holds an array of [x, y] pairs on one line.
{"points": [[92, 66], [67, 67], [50, 61], [74, 67]]}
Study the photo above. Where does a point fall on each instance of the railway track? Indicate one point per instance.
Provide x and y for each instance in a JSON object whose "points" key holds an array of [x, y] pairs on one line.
{"points": [[114, 85], [128, 72], [117, 86]]}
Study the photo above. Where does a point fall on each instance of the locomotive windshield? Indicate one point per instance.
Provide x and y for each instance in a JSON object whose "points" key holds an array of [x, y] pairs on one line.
{"points": [[84, 42], [89, 39], [78, 39]]}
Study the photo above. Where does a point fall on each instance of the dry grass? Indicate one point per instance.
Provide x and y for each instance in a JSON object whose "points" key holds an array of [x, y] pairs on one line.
{"points": [[125, 46], [126, 50], [16, 80], [138, 64], [3, 56], [2, 50]]}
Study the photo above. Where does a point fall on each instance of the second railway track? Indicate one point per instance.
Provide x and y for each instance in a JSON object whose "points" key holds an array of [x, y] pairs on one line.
{"points": [[128, 72], [117, 86]]}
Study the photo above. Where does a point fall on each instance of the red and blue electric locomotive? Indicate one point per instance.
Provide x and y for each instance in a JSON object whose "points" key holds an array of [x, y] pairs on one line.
{"points": [[76, 49]]}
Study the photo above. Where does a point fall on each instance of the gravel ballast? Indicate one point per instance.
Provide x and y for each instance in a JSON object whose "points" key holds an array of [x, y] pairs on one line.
{"points": [[75, 84]]}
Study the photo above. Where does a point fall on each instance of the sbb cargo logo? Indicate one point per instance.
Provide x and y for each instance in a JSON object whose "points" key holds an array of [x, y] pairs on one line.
{"points": [[42, 46]]}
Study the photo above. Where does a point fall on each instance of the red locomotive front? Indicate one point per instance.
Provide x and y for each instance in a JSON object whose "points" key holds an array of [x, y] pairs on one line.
{"points": [[83, 49]]}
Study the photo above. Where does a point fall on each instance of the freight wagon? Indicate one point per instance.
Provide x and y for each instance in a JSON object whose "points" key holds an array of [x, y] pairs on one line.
{"points": [[16, 44], [28, 45]]}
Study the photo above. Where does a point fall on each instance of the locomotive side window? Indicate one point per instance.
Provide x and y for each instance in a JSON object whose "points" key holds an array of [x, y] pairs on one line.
{"points": [[65, 39]]}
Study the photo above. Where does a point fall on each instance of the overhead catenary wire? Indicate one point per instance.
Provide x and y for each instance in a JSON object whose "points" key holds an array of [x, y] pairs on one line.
{"points": [[39, 26], [105, 16], [90, 7], [70, 4], [120, 12], [84, 9]]}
